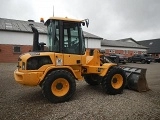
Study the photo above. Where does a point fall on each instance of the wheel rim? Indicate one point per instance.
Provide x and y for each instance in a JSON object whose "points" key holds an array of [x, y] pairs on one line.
{"points": [[117, 81], [60, 87]]}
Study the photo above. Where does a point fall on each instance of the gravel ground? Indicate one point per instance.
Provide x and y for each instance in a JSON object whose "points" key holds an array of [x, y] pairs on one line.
{"points": [[19, 102]]}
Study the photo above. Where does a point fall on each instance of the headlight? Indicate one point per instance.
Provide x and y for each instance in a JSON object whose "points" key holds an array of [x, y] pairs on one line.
{"points": [[23, 65]]}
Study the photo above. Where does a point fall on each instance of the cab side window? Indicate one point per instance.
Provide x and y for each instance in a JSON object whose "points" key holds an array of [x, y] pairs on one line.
{"points": [[71, 39]]}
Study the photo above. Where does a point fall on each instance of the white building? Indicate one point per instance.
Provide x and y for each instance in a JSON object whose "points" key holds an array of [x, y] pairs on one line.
{"points": [[127, 47]]}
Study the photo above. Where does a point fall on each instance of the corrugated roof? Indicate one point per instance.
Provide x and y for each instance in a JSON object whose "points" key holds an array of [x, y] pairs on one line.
{"points": [[23, 26], [153, 45], [89, 35], [116, 43], [20, 26], [127, 39]]}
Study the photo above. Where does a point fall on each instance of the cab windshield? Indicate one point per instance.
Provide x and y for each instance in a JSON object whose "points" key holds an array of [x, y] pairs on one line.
{"points": [[65, 37]]}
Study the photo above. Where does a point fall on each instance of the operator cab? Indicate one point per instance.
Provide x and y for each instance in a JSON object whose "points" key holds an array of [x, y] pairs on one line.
{"points": [[65, 36]]}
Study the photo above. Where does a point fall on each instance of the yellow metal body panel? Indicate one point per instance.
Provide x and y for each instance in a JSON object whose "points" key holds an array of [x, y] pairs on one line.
{"points": [[72, 59], [34, 77], [75, 72], [100, 70], [93, 66], [105, 68], [77, 64], [93, 60], [28, 78]]}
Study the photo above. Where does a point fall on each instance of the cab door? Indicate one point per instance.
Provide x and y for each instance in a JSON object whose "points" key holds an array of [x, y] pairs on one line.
{"points": [[72, 43]]}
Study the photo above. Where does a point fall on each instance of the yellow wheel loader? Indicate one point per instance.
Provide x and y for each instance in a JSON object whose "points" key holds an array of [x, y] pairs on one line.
{"points": [[57, 64]]}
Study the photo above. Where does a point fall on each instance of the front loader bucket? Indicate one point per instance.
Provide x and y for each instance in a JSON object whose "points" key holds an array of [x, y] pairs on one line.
{"points": [[136, 78]]}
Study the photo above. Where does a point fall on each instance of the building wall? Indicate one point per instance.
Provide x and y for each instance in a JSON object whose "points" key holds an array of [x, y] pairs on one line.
{"points": [[7, 53], [155, 55], [9, 40], [92, 43], [125, 51], [19, 38]]}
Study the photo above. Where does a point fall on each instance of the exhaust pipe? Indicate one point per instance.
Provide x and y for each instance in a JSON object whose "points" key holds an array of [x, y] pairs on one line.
{"points": [[36, 46]]}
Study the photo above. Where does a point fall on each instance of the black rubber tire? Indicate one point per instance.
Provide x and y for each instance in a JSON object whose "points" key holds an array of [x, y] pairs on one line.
{"points": [[148, 62], [143, 61], [129, 60], [107, 81], [92, 79], [52, 77]]}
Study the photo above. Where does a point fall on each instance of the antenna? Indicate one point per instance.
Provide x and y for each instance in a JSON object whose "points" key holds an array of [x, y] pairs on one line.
{"points": [[53, 10]]}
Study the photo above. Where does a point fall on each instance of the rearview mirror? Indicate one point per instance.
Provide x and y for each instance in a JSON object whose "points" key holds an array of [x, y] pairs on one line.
{"points": [[86, 21], [83, 23]]}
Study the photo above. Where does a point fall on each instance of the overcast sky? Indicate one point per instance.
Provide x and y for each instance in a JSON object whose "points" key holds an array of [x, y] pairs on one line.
{"points": [[110, 19]]}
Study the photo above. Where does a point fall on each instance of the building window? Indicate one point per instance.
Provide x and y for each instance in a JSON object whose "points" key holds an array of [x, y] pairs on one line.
{"points": [[16, 49], [143, 52], [111, 51], [125, 51], [135, 52]]}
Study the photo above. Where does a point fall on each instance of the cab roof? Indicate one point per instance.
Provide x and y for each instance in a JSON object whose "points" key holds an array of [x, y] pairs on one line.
{"points": [[63, 19]]}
